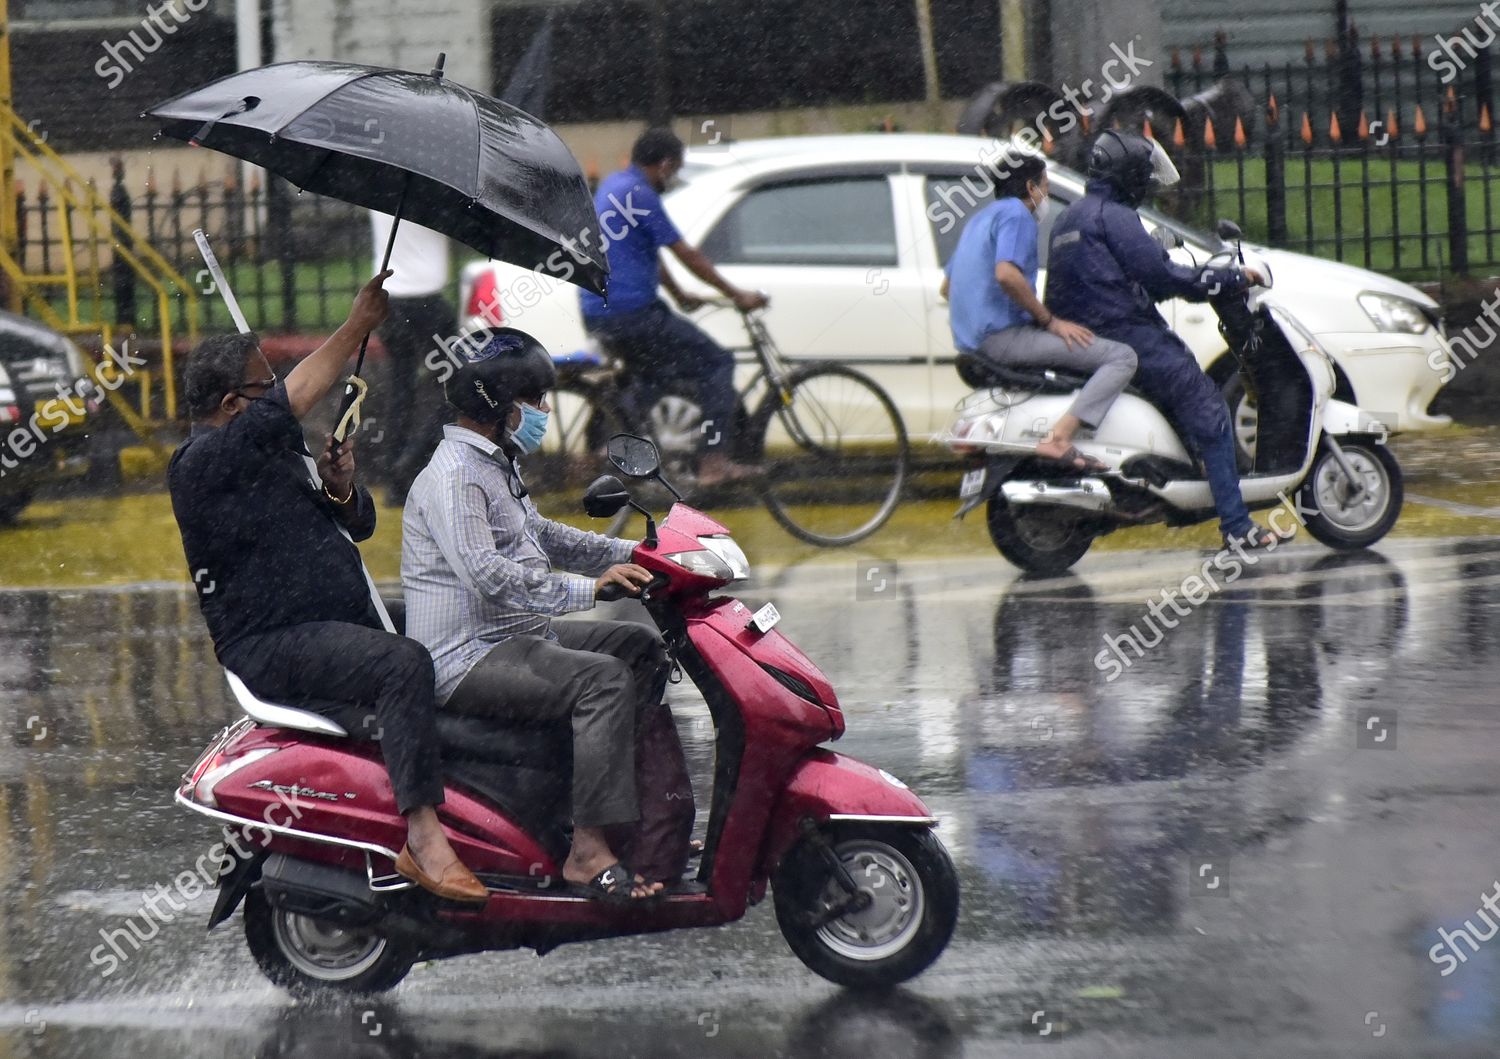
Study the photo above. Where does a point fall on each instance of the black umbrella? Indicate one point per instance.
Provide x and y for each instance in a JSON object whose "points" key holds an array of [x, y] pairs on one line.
{"points": [[413, 145]]}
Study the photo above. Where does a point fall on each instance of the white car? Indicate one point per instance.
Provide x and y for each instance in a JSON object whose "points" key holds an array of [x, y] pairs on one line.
{"points": [[848, 234]]}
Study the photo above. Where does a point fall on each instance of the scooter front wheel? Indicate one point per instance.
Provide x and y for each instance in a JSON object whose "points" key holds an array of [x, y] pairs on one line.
{"points": [[307, 956], [1345, 517], [910, 905]]}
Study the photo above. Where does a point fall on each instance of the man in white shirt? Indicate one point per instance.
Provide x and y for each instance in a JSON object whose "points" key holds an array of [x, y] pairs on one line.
{"points": [[421, 316]]}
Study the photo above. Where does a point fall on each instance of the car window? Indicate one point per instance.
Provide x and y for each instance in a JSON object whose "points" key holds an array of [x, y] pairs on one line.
{"points": [[948, 206], [833, 221]]}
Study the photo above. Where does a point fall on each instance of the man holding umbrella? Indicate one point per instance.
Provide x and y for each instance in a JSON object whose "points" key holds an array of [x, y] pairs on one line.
{"points": [[284, 593]]}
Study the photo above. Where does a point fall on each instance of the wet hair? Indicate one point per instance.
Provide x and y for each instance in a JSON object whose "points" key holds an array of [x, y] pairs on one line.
{"points": [[656, 145], [214, 368], [1014, 171]]}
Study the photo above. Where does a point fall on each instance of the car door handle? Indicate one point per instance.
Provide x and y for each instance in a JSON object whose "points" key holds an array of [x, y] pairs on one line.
{"points": [[1194, 318]]}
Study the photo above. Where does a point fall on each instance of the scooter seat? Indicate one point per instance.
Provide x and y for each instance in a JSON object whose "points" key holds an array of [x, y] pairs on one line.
{"points": [[983, 375], [476, 739]]}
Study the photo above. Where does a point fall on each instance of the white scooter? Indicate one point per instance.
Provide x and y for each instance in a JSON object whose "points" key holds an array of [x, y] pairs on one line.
{"points": [[1325, 459]]}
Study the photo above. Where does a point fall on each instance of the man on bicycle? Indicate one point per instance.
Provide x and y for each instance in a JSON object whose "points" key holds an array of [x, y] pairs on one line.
{"points": [[657, 344]]}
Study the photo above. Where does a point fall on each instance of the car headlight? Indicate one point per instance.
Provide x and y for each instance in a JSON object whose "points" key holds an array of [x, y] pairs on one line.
{"points": [[1398, 315]]}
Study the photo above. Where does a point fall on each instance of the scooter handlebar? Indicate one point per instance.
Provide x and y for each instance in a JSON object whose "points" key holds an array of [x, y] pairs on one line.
{"points": [[613, 591]]}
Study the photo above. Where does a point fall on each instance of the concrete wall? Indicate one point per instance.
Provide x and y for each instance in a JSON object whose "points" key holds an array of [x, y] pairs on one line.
{"points": [[407, 34]]}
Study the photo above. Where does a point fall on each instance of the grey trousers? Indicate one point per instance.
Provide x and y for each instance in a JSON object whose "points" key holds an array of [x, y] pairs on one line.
{"points": [[1110, 364], [598, 673]]}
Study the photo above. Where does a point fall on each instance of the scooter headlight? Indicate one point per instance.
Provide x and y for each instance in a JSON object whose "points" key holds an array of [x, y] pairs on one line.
{"points": [[721, 559]]}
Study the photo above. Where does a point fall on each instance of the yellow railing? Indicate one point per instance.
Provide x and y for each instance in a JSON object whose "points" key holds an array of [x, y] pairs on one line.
{"points": [[103, 226]]}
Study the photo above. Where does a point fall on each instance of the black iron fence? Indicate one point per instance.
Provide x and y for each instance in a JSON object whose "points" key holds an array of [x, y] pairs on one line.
{"points": [[293, 260]]}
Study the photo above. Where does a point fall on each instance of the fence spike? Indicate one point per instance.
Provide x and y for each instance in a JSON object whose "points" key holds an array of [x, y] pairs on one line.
{"points": [[1309, 51], [1375, 47], [1363, 131], [1210, 141], [1335, 134], [1179, 137], [1176, 59], [1391, 125], [1048, 146], [1330, 48], [1450, 102], [1239, 133], [1416, 45], [1307, 136], [1197, 57], [1419, 125], [1485, 125], [1086, 122], [1273, 110], [1146, 130], [1396, 46]]}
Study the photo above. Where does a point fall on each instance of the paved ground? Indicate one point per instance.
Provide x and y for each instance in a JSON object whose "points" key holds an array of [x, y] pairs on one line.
{"points": [[1245, 844]]}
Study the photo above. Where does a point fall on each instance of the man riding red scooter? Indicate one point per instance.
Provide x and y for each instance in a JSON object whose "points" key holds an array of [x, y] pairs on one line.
{"points": [[864, 892]]}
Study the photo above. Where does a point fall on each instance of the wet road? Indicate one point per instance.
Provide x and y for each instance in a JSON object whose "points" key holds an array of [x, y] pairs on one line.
{"points": [[1244, 844]]}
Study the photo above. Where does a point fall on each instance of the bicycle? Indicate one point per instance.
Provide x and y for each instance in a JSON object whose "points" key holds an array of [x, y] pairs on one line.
{"points": [[834, 447]]}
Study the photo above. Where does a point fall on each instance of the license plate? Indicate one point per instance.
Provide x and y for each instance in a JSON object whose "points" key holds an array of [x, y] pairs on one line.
{"points": [[971, 484], [765, 619]]}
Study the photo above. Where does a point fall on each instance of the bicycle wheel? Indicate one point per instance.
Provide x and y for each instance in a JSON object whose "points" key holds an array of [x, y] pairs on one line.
{"points": [[584, 417], [836, 455]]}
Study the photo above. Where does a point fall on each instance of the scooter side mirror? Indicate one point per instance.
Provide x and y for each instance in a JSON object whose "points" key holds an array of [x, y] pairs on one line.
{"points": [[605, 496], [1228, 231], [634, 456]]}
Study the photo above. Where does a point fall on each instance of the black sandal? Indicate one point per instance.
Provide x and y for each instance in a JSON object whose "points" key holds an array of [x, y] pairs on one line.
{"points": [[612, 886], [1078, 461]]}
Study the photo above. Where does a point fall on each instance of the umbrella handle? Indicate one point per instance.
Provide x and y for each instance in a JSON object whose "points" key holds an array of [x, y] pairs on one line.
{"points": [[352, 395]]}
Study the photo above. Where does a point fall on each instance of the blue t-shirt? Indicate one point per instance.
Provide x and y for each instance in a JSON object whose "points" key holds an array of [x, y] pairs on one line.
{"points": [[633, 226], [1005, 230]]}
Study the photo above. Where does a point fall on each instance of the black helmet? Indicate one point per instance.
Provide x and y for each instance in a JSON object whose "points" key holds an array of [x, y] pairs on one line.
{"points": [[1131, 164], [511, 366]]}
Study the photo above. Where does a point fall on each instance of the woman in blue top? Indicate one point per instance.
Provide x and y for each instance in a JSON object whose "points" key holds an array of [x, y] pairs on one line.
{"points": [[995, 313]]}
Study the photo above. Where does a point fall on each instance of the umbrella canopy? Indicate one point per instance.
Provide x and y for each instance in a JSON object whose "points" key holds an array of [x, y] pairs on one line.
{"points": [[415, 145]]}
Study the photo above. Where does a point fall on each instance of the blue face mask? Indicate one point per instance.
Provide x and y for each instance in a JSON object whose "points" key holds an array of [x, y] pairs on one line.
{"points": [[528, 436]]}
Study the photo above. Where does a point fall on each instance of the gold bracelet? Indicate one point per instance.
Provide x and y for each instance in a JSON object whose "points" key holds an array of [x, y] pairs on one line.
{"points": [[335, 499]]}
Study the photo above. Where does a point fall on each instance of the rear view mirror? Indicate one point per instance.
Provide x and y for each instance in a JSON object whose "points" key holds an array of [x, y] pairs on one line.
{"points": [[605, 496], [1168, 239], [1228, 231], [634, 456]]}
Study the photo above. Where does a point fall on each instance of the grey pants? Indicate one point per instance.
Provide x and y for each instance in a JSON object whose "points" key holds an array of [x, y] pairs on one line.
{"points": [[598, 673], [1110, 364]]}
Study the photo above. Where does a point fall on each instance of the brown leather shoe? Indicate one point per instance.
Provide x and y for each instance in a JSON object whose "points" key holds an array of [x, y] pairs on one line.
{"points": [[457, 883]]}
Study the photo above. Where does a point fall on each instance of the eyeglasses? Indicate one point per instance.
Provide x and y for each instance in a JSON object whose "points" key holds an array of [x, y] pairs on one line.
{"points": [[260, 384]]}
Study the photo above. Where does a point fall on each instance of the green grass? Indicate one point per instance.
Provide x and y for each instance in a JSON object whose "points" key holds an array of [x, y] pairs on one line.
{"points": [[1339, 193]]}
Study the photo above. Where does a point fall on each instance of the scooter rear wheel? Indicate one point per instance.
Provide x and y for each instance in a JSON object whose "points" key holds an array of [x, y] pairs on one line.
{"points": [[913, 890], [307, 956], [1040, 539]]}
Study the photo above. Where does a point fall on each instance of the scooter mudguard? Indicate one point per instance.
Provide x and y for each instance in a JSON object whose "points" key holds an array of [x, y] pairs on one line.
{"points": [[996, 470], [240, 873], [831, 787]]}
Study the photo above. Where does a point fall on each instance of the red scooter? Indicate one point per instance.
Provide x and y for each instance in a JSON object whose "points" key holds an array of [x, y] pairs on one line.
{"points": [[864, 892]]}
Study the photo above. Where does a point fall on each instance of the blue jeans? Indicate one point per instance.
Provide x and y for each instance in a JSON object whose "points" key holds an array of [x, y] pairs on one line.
{"points": [[1168, 373], [659, 347]]}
